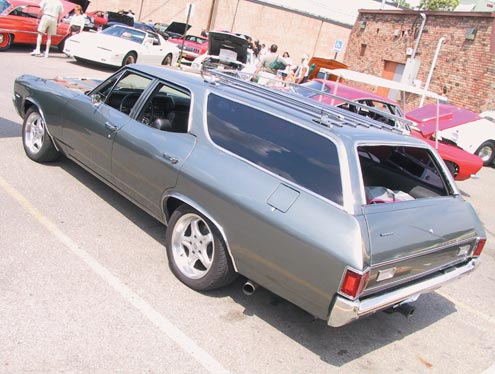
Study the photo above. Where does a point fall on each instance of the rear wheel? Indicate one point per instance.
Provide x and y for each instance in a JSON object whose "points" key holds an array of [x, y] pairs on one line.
{"points": [[35, 139], [129, 58], [487, 152], [196, 252], [167, 60], [5, 41]]}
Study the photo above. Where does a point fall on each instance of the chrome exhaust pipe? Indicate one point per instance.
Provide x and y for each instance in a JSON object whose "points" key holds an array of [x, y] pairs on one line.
{"points": [[406, 310], [249, 288]]}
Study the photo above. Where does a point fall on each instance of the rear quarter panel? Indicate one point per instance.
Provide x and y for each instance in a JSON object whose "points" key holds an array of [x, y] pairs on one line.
{"points": [[300, 254]]}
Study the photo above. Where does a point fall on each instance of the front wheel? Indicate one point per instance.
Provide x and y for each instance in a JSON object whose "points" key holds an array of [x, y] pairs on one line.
{"points": [[487, 152], [453, 168], [167, 60], [129, 58], [196, 252], [61, 45], [5, 41], [35, 139]]}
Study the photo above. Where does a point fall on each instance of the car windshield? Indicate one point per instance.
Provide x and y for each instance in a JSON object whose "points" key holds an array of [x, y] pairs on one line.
{"points": [[3, 5], [195, 39], [313, 85], [133, 35]]}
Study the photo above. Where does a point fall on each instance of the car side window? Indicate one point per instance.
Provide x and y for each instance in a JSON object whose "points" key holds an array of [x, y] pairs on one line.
{"points": [[275, 144], [167, 109], [125, 93]]}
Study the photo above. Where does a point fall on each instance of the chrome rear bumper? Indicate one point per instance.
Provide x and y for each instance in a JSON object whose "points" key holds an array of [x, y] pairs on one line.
{"points": [[345, 311]]}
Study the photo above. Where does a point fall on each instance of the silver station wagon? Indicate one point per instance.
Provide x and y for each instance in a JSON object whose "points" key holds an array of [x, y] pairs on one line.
{"points": [[330, 210]]}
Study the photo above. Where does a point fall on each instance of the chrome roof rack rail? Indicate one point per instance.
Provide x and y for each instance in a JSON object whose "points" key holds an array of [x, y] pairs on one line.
{"points": [[323, 114]]}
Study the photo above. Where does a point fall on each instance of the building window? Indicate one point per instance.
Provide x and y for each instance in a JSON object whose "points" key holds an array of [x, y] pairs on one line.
{"points": [[363, 50]]}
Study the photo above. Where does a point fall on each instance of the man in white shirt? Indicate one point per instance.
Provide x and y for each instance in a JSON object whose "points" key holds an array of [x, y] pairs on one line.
{"points": [[51, 10]]}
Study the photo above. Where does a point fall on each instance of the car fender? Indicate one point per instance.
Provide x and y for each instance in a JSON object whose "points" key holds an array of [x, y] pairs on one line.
{"points": [[471, 135], [173, 199]]}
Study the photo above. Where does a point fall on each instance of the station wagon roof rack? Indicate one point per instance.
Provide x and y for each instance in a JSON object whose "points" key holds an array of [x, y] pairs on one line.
{"points": [[323, 114]]}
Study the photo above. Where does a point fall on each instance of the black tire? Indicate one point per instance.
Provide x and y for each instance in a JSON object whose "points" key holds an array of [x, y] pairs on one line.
{"points": [[61, 45], [167, 60], [453, 168], [487, 152], [6, 40], [129, 58], [196, 252], [37, 143]]}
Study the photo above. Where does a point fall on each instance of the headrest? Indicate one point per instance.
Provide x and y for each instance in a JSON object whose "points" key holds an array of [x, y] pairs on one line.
{"points": [[162, 124]]}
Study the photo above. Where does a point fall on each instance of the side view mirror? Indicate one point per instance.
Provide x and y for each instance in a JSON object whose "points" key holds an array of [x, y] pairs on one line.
{"points": [[96, 99]]}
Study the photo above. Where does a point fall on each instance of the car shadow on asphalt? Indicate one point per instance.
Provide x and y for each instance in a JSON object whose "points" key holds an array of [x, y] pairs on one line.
{"points": [[9, 129], [335, 346]]}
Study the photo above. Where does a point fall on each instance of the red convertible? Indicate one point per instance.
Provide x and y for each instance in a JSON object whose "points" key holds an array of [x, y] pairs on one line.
{"points": [[460, 163], [19, 23]]}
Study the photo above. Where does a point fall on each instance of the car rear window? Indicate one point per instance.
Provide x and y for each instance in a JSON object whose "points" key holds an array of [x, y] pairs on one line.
{"points": [[399, 173], [275, 144]]}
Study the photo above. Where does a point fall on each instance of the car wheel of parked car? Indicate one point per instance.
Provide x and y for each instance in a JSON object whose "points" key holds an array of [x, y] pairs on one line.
{"points": [[5, 41], [61, 45], [487, 152], [35, 139], [167, 60], [196, 252], [453, 168], [129, 58]]}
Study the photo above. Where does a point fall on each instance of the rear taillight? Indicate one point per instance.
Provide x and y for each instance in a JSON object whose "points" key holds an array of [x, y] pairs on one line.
{"points": [[354, 283], [479, 247]]}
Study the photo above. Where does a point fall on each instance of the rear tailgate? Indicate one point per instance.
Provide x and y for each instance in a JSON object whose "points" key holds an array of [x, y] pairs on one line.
{"points": [[414, 238]]}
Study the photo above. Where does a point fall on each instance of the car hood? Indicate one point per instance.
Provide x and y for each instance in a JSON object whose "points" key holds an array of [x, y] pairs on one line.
{"points": [[448, 116], [102, 40], [78, 84], [225, 44], [177, 28]]}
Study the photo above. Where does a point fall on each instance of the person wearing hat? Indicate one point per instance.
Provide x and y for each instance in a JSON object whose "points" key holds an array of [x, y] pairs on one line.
{"points": [[302, 71]]}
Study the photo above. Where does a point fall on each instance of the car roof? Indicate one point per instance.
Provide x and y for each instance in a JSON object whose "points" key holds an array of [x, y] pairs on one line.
{"points": [[347, 126]]}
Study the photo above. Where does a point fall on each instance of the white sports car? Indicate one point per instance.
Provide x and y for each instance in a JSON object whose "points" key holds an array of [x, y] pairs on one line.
{"points": [[121, 45]]}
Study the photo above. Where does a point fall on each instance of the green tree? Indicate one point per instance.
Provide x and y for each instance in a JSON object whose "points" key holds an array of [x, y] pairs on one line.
{"points": [[438, 4], [403, 4]]}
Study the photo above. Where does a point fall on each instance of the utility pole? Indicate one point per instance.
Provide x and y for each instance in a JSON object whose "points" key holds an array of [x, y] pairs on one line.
{"points": [[213, 15]]}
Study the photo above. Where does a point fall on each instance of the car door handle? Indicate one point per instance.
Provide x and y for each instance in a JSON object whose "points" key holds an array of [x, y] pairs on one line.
{"points": [[169, 158], [111, 127]]}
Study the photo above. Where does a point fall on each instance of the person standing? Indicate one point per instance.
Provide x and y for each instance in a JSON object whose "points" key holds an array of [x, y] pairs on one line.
{"points": [[51, 11], [77, 21], [302, 72]]}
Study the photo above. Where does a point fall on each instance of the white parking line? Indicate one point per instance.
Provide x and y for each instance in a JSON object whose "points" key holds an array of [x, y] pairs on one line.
{"points": [[166, 326]]}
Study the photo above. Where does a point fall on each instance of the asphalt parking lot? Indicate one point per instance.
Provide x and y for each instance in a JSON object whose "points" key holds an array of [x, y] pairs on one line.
{"points": [[85, 286]]}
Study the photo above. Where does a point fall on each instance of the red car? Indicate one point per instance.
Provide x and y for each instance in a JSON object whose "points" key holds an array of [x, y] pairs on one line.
{"points": [[194, 46], [19, 23], [461, 163], [99, 18]]}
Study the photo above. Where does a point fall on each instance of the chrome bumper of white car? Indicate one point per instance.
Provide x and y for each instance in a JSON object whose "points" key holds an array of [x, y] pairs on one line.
{"points": [[345, 311]]}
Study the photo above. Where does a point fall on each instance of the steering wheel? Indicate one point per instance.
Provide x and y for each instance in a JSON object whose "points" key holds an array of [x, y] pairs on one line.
{"points": [[126, 104]]}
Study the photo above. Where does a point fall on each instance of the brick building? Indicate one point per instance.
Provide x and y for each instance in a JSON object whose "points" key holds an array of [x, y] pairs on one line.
{"points": [[381, 42]]}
